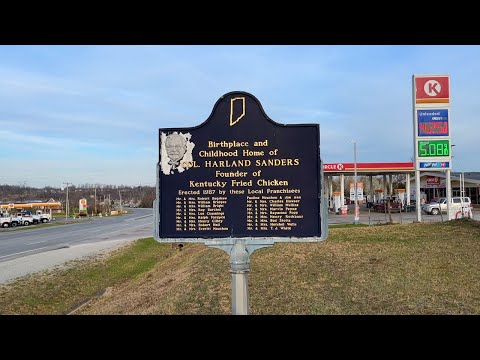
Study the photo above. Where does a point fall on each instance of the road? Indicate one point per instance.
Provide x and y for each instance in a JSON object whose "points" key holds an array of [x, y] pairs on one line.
{"points": [[20, 242], [27, 250]]}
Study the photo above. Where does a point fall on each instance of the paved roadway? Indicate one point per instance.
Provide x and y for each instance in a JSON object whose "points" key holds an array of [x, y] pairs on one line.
{"points": [[21, 241]]}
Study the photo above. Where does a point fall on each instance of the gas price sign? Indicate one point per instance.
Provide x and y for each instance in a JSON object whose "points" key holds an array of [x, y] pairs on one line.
{"points": [[433, 122], [433, 148]]}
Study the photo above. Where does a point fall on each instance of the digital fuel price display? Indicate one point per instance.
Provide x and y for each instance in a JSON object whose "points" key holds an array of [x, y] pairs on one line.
{"points": [[433, 122], [433, 148]]}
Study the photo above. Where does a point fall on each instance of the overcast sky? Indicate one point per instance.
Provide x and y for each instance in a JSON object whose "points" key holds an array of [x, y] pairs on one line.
{"points": [[91, 114]]}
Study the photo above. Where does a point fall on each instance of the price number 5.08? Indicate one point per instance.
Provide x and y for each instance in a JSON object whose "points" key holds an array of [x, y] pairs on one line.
{"points": [[434, 148]]}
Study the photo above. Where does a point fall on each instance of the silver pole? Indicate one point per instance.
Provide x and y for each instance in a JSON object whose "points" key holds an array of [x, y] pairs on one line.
{"points": [[371, 189], [120, 195], [355, 221], [239, 252], [239, 267], [407, 189], [240, 294], [66, 201], [449, 196], [417, 195], [342, 191]]}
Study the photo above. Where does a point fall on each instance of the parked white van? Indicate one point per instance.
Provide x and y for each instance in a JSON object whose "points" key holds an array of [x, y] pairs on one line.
{"points": [[456, 204]]}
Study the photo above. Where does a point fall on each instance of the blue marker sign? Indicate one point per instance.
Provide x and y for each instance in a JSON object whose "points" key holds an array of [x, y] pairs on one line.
{"points": [[433, 122], [435, 165]]}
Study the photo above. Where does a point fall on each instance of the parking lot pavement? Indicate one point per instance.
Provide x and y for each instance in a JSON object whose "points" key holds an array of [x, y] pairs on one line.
{"points": [[370, 217]]}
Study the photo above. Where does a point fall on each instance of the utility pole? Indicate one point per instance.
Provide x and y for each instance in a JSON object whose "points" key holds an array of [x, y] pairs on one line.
{"points": [[95, 200], [66, 202], [120, 195], [355, 221]]}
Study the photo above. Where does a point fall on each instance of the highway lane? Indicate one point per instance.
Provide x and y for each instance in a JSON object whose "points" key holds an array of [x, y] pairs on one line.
{"points": [[15, 243]]}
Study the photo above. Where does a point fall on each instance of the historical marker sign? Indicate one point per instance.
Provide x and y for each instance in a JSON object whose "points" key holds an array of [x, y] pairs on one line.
{"points": [[240, 175]]}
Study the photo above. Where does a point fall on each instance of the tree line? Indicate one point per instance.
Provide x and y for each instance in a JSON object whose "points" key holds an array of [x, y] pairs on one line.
{"points": [[107, 196]]}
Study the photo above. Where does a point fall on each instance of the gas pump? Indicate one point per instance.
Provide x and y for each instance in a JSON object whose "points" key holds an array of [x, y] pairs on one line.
{"points": [[337, 201], [379, 195], [401, 196]]}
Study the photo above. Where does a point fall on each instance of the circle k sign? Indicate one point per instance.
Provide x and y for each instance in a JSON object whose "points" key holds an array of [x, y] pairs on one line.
{"points": [[432, 89]]}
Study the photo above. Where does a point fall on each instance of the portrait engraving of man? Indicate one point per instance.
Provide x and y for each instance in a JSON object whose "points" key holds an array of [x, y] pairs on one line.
{"points": [[176, 152], [176, 147]]}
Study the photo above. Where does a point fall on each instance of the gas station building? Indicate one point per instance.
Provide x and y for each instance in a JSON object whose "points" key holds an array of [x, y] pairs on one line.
{"points": [[432, 184]]}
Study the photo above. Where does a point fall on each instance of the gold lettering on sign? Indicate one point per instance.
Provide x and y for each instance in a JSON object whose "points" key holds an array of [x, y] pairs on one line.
{"points": [[232, 101]]}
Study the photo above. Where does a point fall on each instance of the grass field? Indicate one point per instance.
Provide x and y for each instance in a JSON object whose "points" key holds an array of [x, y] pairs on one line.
{"points": [[392, 269]]}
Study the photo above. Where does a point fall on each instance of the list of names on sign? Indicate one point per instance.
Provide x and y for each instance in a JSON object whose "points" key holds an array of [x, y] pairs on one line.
{"points": [[203, 213], [272, 212]]}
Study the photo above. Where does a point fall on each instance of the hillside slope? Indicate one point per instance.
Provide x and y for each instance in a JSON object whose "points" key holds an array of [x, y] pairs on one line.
{"points": [[397, 269]]}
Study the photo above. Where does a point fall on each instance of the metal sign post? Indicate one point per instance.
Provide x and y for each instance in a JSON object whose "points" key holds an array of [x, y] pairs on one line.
{"points": [[239, 252], [357, 210], [240, 267]]}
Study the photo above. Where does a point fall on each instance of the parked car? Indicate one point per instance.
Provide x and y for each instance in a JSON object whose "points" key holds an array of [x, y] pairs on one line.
{"points": [[393, 206], [412, 207], [434, 208]]}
